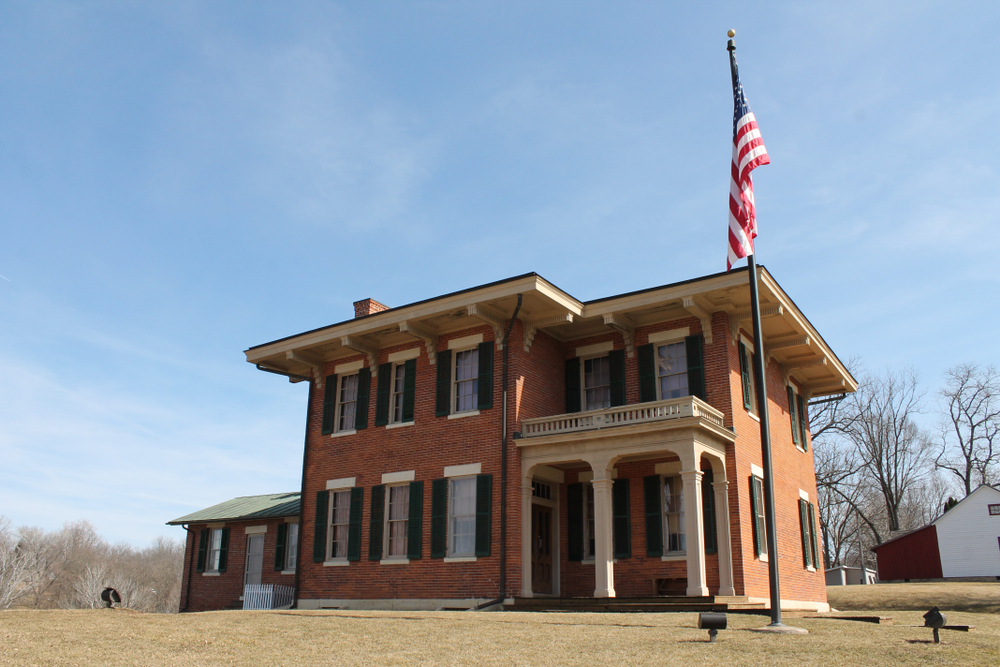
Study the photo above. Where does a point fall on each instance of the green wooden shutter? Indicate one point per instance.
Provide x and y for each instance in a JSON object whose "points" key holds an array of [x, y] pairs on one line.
{"points": [[409, 389], [814, 536], [329, 403], [647, 373], [803, 426], [793, 415], [354, 527], [696, 366], [485, 379], [574, 520], [439, 518], [621, 526], [442, 396], [616, 363], [708, 511], [364, 389], [203, 536], [224, 551], [319, 532], [573, 385], [484, 514], [652, 488], [745, 377], [375, 525], [804, 530], [382, 393], [415, 522], [279, 547], [758, 528]]}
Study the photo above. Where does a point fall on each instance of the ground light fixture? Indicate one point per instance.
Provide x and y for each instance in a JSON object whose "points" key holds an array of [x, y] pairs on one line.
{"points": [[713, 622], [936, 620]]}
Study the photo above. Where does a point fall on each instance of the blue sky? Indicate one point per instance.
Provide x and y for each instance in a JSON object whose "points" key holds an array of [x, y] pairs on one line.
{"points": [[180, 181]]}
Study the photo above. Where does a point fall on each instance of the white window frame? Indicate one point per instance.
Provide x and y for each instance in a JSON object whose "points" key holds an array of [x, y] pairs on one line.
{"points": [[753, 377], [387, 522], [807, 530], [214, 551], [396, 399], [454, 381], [337, 426], [451, 536], [800, 445], [667, 551], [331, 527], [656, 361], [583, 380], [759, 501]]}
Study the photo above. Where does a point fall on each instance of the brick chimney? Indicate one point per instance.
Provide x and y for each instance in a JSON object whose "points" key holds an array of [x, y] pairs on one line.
{"points": [[368, 307]]}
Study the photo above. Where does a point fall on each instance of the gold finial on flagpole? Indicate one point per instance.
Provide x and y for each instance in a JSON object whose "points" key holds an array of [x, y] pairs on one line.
{"points": [[731, 33]]}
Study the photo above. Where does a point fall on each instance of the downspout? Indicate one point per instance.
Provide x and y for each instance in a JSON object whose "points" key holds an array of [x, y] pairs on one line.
{"points": [[190, 573], [503, 466], [305, 462]]}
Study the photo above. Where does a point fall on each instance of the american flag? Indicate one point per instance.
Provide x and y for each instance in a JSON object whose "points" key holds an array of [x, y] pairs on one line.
{"points": [[748, 154]]}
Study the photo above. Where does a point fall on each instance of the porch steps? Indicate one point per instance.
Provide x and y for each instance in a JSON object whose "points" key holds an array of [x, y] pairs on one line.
{"points": [[635, 605]]}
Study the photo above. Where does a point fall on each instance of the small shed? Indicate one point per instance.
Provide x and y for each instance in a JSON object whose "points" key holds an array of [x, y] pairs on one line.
{"points": [[843, 575]]}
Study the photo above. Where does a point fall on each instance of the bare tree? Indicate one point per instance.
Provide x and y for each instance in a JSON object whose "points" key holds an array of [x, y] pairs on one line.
{"points": [[13, 567], [969, 446]]}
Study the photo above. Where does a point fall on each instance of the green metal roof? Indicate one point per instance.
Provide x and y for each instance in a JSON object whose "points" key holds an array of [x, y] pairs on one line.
{"points": [[271, 505]]}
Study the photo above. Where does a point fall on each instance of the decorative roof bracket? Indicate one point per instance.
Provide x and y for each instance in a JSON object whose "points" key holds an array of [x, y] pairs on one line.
{"points": [[423, 333], [695, 308], [314, 363], [737, 318], [490, 317], [531, 327], [364, 348], [625, 327]]}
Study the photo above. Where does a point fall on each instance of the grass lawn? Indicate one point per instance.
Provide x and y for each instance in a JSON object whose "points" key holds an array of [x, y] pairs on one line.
{"points": [[102, 637]]}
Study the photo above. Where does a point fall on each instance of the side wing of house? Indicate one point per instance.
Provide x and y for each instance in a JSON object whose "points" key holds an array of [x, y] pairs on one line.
{"points": [[969, 536]]}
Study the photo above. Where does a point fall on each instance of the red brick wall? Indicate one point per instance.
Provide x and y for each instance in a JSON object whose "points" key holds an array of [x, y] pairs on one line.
{"points": [[210, 592]]}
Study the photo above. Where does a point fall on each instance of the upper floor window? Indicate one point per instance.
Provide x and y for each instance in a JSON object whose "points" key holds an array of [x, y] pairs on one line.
{"points": [[398, 393], [597, 383], [994, 510], [464, 377], [345, 399], [347, 402], [395, 396], [747, 377], [671, 366], [466, 380], [672, 370]]}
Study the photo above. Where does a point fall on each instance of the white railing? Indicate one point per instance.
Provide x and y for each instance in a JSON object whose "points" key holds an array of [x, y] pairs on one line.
{"points": [[674, 408], [267, 596]]}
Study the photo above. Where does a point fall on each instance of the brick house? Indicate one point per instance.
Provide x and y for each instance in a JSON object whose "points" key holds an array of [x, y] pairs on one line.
{"points": [[609, 448], [246, 540]]}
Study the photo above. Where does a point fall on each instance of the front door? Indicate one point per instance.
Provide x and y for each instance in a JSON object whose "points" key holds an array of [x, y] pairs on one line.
{"points": [[255, 559], [541, 549]]}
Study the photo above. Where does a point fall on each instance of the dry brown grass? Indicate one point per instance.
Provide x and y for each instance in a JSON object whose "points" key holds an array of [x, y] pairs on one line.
{"points": [[102, 637], [979, 596]]}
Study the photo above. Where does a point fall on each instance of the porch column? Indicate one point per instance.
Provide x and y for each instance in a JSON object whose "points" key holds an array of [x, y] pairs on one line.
{"points": [[694, 533], [526, 537], [723, 539], [604, 566]]}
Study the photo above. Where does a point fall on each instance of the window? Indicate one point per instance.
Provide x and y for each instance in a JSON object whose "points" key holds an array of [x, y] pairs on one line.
{"points": [[340, 519], [214, 550], [589, 541], [994, 510], [396, 520], [673, 515], [807, 524], [541, 490], [462, 517], [757, 513], [597, 383], [747, 376], [466, 380], [671, 370], [398, 393], [291, 545], [347, 402]]}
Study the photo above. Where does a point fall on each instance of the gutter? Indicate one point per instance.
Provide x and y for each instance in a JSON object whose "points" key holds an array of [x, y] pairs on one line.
{"points": [[194, 550]]}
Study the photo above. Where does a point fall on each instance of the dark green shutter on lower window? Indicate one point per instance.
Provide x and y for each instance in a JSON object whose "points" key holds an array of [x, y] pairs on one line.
{"points": [[647, 373], [319, 530], [224, 551], [804, 530], [279, 547], [364, 390], [620, 524], [329, 403], [708, 510], [202, 549], [574, 521], [793, 415], [696, 365], [439, 518], [382, 393], [651, 491], [745, 377], [442, 394], [354, 527], [485, 380], [415, 522], [616, 364], [573, 385], [814, 535], [758, 528], [375, 525], [484, 514], [803, 426], [409, 389]]}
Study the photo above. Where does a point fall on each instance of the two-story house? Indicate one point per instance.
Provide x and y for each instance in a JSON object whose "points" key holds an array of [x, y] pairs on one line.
{"points": [[510, 441]]}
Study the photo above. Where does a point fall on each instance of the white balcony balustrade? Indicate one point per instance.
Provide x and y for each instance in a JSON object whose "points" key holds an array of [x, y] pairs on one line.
{"points": [[637, 413]]}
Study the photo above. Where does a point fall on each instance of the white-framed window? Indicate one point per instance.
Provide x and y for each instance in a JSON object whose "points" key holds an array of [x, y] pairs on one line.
{"points": [[466, 380], [747, 376], [994, 510], [671, 370], [462, 517], [340, 519], [291, 545], [674, 539], [397, 397], [596, 383], [347, 402], [397, 501], [760, 537], [214, 550]]}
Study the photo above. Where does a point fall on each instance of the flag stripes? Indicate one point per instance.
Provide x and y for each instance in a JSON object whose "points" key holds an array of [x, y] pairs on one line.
{"points": [[748, 154]]}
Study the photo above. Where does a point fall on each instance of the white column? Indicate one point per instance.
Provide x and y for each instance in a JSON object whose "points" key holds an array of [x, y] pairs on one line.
{"points": [[722, 538], [526, 537], [694, 533], [604, 566]]}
